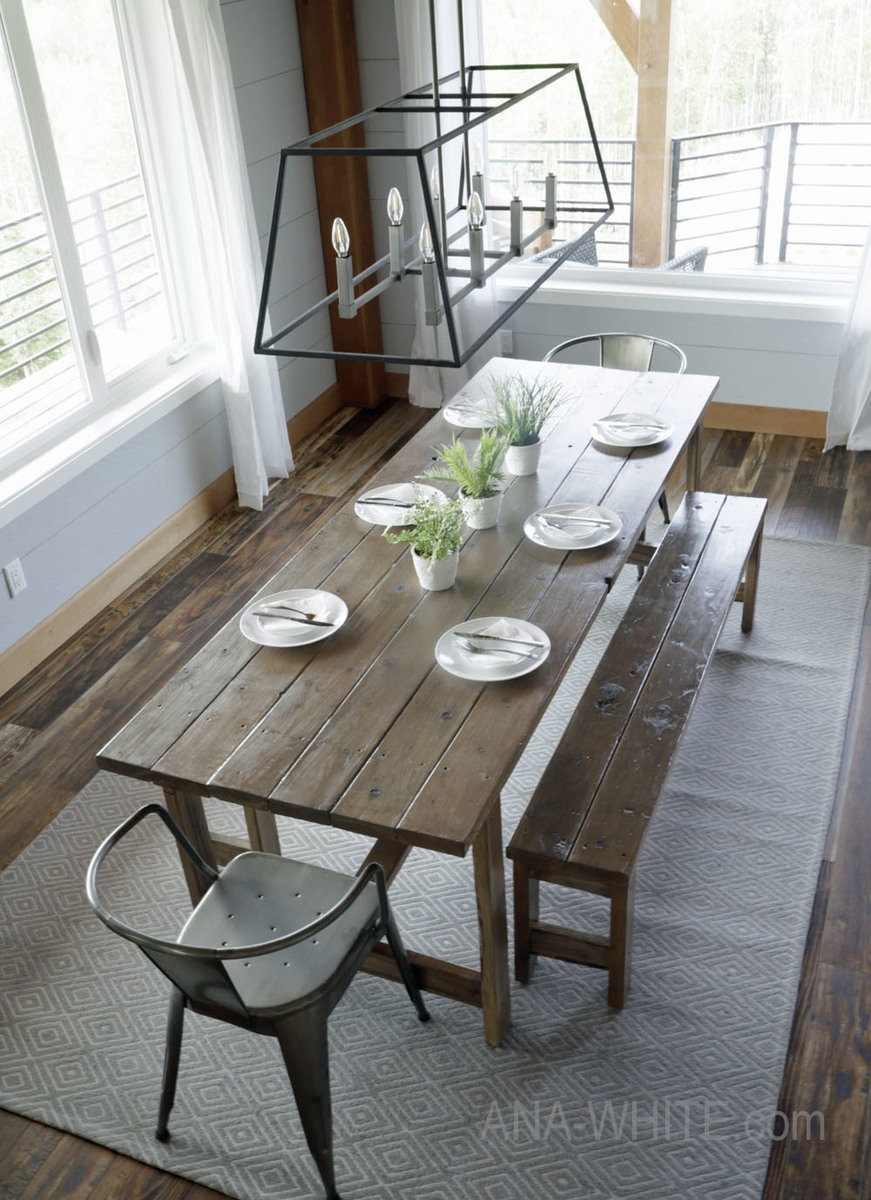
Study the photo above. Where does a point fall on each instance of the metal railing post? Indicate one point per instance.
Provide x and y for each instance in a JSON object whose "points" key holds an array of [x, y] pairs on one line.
{"points": [[765, 194], [787, 191], [676, 145], [105, 253]]}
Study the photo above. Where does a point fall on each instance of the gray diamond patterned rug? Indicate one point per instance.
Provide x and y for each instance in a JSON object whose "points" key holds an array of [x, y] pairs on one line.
{"points": [[675, 1096]]}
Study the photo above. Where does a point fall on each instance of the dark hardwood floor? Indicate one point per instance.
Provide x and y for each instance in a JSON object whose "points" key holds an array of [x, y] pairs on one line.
{"points": [[54, 722]]}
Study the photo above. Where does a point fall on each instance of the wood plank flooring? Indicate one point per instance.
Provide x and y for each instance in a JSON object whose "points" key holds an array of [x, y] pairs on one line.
{"points": [[54, 722]]}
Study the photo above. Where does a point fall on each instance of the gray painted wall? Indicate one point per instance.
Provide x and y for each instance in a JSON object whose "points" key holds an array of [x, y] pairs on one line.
{"points": [[68, 539]]}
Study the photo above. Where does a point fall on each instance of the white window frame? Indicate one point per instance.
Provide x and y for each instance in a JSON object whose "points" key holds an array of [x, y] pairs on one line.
{"points": [[120, 409]]}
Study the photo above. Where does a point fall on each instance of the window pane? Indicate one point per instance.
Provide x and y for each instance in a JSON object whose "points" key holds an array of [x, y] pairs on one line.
{"points": [[76, 48], [39, 377]]}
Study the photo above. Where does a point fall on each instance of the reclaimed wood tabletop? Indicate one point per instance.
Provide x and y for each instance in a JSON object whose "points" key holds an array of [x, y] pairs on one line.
{"points": [[364, 730]]}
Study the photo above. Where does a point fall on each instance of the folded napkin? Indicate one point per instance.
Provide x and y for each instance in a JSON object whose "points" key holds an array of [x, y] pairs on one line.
{"points": [[497, 656], [403, 492], [309, 604]]}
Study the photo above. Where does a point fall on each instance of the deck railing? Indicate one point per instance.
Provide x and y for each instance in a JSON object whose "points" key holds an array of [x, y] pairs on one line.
{"points": [[792, 192], [116, 250]]}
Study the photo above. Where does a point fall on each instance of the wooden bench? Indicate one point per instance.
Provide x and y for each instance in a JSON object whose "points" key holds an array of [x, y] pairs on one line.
{"points": [[585, 824]]}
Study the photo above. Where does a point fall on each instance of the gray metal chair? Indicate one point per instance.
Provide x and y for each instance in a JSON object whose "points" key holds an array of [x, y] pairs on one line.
{"points": [[586, 251], [626, 352], [689, 261], [271, 947]]}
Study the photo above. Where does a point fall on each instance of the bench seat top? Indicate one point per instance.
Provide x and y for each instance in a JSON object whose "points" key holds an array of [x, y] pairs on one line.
{"points": [[591, 809]]}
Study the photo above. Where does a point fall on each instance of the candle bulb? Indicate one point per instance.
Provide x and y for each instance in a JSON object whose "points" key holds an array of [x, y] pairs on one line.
{"points": [[395, 210], [475, 210], [427, 270], [478, 177], [344, 269], [549, 189], [516, 212]]}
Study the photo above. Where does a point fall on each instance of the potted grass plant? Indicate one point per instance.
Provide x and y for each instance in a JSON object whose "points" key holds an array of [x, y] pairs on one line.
{"points": [[435, 536], [523, 406], [479, 477]]}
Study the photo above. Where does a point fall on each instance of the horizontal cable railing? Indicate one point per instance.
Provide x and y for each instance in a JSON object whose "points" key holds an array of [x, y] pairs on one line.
{"points": [[577, 174], [790, 192], [116, 250]]}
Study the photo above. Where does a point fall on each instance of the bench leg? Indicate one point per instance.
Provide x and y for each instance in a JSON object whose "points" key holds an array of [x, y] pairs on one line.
{"points": [[526, 892], [750, 581], [620, 942]]}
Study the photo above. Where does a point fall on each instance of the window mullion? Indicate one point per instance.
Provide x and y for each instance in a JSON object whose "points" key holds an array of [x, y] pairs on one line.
{"points": [[49, 181]]}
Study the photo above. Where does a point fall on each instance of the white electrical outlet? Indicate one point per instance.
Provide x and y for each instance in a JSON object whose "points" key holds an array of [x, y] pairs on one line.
{"points": [[506, 342], [15, 580]]}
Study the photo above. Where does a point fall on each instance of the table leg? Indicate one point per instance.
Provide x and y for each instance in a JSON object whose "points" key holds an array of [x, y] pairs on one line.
{"points": [[493, 928], [750, 580], [262, 831], [694, 458], [187, 811]]}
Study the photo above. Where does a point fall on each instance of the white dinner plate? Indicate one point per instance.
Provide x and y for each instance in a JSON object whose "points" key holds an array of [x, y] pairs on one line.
{"points": [[572, 526], [631, 429], [385, 514], [471, 412], [499, 661], [279, 631]]}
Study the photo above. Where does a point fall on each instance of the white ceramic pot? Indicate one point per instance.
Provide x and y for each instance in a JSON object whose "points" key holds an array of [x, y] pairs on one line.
{"points": [[523, 460], [438, 575], [482, 514]]}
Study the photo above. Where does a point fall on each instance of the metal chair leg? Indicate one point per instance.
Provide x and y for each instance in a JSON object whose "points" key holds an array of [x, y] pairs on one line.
{"points": [[172, 1055], [303, 1039], [663, 504], [405, 969]]}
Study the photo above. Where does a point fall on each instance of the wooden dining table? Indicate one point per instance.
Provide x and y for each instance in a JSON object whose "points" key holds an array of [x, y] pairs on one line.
{"points": [[364, 730]]}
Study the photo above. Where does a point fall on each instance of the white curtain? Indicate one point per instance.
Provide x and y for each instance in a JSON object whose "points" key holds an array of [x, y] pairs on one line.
{"points": [[190, 35], [431, 386], [849, 422]]}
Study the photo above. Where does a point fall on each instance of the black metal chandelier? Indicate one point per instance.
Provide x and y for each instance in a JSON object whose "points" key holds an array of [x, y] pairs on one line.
{"points": [[469, 231]]}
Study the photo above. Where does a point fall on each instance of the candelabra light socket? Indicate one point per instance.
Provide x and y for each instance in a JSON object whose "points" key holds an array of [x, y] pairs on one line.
{"points": [[430, 293], [516, 225], [395, 234], [550, 199], [476, 255], [345, 282]]}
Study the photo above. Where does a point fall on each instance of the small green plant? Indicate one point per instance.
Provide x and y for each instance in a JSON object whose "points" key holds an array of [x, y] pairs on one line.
{"points": [[478, 476], [436, 531], [524, 405]]}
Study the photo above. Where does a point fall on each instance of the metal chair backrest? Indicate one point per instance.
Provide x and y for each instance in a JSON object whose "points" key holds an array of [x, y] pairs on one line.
{"points": [[624, 351]]}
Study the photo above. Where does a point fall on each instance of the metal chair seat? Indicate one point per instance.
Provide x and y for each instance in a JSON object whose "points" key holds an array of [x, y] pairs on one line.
{"points": [[272, 947], [260, 897]]}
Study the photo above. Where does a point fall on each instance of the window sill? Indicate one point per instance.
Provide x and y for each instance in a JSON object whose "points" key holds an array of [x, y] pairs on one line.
{"points": [[98, 435], [772, 297]]}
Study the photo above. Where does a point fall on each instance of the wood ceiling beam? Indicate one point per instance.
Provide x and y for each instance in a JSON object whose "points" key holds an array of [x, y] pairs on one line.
{"points": [[620, 20], [332, 88]]}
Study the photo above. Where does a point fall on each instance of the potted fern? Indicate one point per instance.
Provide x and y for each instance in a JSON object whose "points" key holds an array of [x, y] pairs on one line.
{"points": [[523, 406], [478, 477], [435, 536]]}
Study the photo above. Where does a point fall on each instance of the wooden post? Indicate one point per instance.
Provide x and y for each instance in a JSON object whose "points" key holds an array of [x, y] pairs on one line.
{"points": [[652, 135], [645, 41], [332, 87]]}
